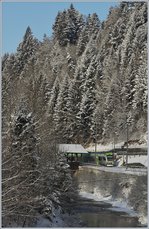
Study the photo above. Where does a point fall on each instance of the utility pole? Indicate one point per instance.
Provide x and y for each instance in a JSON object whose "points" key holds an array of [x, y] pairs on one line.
{"points": [[127, 143], [114, 142], [114, 153], [95, 141]]}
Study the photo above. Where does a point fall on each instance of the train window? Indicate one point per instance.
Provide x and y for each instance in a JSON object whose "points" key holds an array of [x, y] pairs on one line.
{"points": [[110, 158]]}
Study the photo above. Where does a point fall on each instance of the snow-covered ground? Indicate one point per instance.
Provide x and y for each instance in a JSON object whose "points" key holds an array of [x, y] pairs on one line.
{"points": [[117, 205], [143, 159], [132, 171], [58, 220], [110, 146], [101, 147], [142, 143]]}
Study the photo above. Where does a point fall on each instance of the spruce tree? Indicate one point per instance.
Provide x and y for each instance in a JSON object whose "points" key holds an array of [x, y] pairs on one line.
{"points": [[26, 50], [60, 117], [88, 101], [67, 26]]}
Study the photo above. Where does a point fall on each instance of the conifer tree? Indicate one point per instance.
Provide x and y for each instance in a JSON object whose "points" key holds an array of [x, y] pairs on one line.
{"points": [[140, 87], [68, 26], [91, 29], [60, 117], [53, 99], [88, 102], [26, 49]]}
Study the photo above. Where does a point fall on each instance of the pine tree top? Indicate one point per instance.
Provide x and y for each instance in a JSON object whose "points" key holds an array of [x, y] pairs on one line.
{"points": [[28, 32], [71, 6]]}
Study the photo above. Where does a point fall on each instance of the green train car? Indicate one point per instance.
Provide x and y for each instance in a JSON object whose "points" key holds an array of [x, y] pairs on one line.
{"points": [[104, 159]]}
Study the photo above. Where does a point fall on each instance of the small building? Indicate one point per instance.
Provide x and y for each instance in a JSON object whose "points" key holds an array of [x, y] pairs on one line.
{"points": [[72, 148], [73, 152]]}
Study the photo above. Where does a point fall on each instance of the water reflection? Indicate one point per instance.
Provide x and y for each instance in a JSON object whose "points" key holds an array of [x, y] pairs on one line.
{"points": [[103, 184], [108, 220], [97, 214]]}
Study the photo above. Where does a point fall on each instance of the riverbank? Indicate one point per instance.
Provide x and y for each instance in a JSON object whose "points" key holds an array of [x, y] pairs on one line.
{"points": [[124, 170], [60, 219]]}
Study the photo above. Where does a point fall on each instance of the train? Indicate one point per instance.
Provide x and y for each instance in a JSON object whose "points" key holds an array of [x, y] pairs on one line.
{"points": [[101, 159]]}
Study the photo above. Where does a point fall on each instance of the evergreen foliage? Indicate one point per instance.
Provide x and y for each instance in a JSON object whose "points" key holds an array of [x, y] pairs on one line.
{"points": [[26, 50], [68, 25]]}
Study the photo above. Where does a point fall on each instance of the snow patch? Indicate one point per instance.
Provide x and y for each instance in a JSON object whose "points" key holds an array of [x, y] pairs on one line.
{"points": [[122, 206], [93, 196], [55, 219], [143, 220], [117, 205], [143, 159], [132, 171]]}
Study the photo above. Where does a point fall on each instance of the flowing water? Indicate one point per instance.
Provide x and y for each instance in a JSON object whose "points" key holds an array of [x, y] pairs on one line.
{"points": [[100, 212]]}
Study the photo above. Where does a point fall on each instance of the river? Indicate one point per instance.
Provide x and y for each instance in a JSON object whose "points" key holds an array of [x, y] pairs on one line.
{"points": [[98, 212]]}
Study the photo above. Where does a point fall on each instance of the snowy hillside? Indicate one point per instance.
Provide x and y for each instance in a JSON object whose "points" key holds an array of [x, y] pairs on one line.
{"points": [[86, 83]]}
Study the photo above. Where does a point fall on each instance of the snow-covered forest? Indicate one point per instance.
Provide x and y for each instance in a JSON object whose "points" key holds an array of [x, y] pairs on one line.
{"points": [[89, 78]]}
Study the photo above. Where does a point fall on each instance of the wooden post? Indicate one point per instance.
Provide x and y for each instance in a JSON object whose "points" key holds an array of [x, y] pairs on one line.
{"points": [[95, 142], [127, 144]]}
